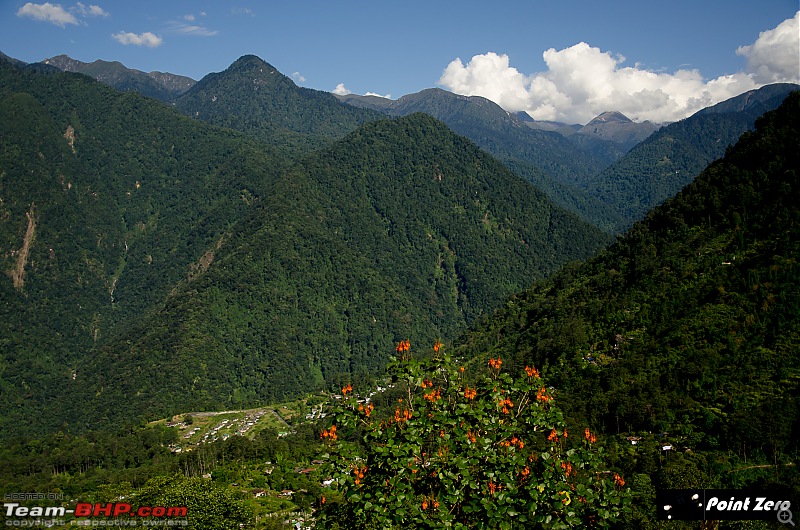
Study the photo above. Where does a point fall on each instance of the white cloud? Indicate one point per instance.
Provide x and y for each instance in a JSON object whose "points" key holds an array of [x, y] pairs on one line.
{"points": [[581, 81], [775, 56], [387, 96], [147, 38], [340, 90], [90, 11], [246, 11], [47, 12], [298, 77], [189, 29], [184, 28]]}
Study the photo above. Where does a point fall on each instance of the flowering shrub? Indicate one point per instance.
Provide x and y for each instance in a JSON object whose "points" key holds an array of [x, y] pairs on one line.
{"points": [[488, 453]]}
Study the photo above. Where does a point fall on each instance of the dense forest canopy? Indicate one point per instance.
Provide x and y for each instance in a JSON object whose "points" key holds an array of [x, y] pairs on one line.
{"points": [[157, 262]]}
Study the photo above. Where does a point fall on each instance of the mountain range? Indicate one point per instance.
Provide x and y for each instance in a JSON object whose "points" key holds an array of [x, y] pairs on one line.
{"points": [[249, 241], [669, 159], [133, 235], [158, 85], [589, 170], [314, 237], [681, 340]]}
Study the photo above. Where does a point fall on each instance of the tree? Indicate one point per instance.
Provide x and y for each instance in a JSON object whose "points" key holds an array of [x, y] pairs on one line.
{"points": [[491, 452], [208, 507]]}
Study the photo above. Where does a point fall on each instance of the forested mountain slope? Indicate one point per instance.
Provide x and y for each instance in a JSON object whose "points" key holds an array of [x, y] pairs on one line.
{"points": [[252, 96], [106, 201], [210, 270], [689, 324], [401, 229], [669, 159], [548, 160]]}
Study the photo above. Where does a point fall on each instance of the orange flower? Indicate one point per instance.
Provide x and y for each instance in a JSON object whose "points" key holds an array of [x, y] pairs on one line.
{"points": [[493, 487], [437, 346], [618, 480], [322, 500], [532, 372], [400, 417], [425, 504], [541, 396], [403, 346], [495, 363], [589, 436], [329, 433], [565, 433], [433, 395], [469, 393], [505, 405], [358, 472], [348, 388], [553, 437], [525, 472], [471, 436]]}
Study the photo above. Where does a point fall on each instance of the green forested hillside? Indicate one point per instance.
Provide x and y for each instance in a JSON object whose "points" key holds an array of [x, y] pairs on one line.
{"points": [[689, 325], [497, 131], [153, 261], [106, 200], [253, 97], [660, 166], [548, 160], [401, 229]]}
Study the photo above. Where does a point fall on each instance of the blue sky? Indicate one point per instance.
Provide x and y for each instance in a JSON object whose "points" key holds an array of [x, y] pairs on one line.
{"points": [[626, 53]]}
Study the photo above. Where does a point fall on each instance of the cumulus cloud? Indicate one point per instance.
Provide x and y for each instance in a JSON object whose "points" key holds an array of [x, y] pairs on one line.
{"points": [[387, 96], [151, 40], [775, 56], [582, 81], [341, 90], [189, 17], [298, 77], [47, 12]]}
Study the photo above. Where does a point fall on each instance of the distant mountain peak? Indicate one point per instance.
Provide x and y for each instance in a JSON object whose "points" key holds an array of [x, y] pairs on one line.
{"points": [[65, 63], [617, 127], [610, 117], [160, 85], [252, 62]]}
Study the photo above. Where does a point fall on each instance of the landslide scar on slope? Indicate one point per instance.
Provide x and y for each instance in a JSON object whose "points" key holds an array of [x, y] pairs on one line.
{"points": [[69, 135], [18, 272], [197, 269]]}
